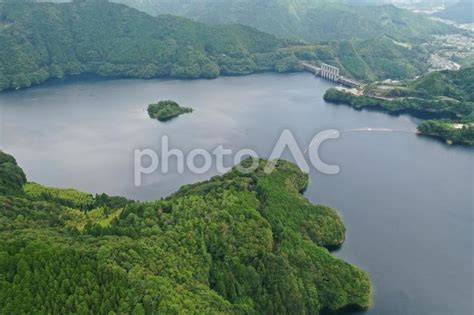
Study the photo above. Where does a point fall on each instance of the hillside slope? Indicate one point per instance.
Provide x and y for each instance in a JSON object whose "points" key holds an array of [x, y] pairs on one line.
{"points": [[369, 60], [39, 41], [237, 244], [309, 20]]}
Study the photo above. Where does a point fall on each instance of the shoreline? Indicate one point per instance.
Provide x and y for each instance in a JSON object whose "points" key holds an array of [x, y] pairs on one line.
{"points": [[444, 120], [97, 77]]}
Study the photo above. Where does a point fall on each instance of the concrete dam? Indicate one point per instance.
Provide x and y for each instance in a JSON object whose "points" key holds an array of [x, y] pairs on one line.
{"points": [[330, 73]]}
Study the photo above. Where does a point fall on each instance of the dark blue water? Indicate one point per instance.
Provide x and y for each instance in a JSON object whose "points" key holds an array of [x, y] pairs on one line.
{"points": [[407, 201]]}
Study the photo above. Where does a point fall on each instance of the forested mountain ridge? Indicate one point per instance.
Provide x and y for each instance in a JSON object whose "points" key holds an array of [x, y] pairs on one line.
{"points": [[39, 41], [237, 244], [309, 20]]}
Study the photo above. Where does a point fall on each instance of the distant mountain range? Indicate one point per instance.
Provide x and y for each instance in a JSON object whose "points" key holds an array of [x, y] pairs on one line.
{"points": [[39, 41], [462, 12], [316, 20], [309, 20]]}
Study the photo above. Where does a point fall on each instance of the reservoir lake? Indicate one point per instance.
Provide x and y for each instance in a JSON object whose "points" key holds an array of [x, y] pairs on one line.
{"points": [[406, 200]]}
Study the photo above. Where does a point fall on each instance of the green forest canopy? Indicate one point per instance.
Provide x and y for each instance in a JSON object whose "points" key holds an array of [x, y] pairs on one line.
{"points": [[166, 110], [236, 244], [39, 41], [368, 60], [309, 20]]}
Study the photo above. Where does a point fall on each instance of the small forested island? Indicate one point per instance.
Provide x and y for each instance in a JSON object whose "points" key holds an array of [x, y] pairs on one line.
{"points": [[166, 110], [444, 98], [236, 244]]}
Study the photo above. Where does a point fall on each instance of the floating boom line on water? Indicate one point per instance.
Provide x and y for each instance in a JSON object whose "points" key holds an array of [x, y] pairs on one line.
{"points": [[367, 129], [378, 130]]}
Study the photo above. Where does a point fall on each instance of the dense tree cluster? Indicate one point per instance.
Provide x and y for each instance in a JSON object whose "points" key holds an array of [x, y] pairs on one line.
{"points": [[309, 20], [39, 41], [166, 110], [419, 107], [458, 85], [12, 177], [445, 129], [237, 244]]}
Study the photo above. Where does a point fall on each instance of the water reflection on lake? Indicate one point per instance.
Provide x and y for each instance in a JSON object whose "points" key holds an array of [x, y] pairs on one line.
{"points": [[407, 201]]}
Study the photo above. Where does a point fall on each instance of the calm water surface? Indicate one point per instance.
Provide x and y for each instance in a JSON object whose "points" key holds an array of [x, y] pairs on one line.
{"points": [[407, 201]]}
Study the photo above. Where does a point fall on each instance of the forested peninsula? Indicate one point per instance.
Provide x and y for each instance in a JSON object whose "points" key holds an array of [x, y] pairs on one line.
{"points": [[445, 98], [236, 244]]}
